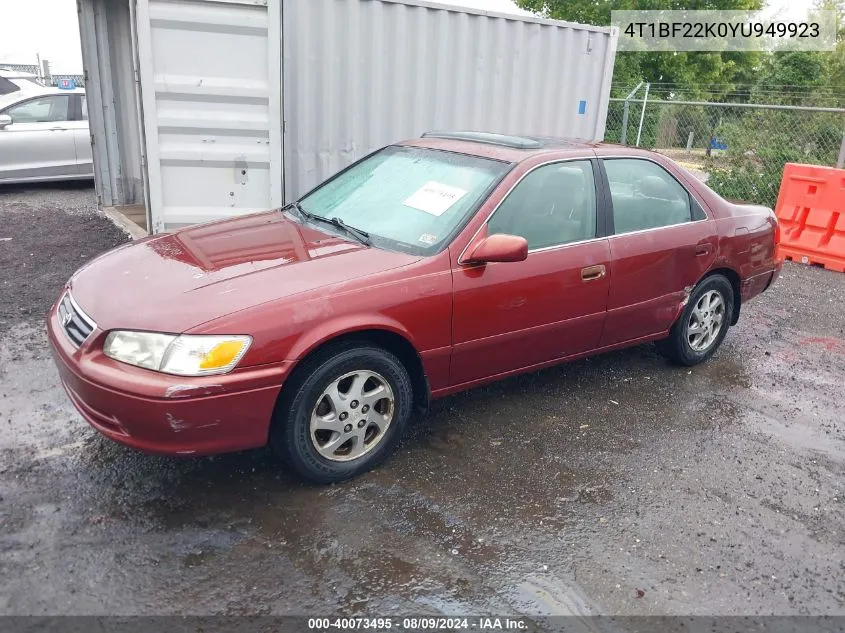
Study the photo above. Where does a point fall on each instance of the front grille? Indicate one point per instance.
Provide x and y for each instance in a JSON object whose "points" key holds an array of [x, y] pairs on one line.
{"points": [[76, 324]]}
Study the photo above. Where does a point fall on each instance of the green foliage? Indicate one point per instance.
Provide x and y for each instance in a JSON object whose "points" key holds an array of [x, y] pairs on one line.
{"points": [[789, 77], [761, 142], [598, 11], [747, 184]]}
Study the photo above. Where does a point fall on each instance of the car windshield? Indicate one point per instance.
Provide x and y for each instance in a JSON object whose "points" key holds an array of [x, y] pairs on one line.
{"points": [[407, 198]]}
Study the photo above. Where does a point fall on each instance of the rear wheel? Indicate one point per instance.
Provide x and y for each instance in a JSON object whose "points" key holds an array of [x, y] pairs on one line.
{"points": [[344, 413], [699, 332]]}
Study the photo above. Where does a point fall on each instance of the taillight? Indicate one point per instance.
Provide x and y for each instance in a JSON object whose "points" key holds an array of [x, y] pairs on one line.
{"points": [[778, 256]]}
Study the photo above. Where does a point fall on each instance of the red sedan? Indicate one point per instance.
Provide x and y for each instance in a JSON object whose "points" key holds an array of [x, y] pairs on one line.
{"points": [[428, 267]]}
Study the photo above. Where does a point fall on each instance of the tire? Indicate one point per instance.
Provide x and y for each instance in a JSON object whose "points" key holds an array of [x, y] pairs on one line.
{"points": [[686, 347], [308, 401]]}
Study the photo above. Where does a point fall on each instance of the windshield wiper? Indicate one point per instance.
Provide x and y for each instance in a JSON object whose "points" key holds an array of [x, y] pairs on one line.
{"points": [[361, 236], [299, 209], [358, 234]]}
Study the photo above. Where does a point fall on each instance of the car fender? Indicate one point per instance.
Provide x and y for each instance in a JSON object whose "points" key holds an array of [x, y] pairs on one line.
{"points": [[346, 324]]}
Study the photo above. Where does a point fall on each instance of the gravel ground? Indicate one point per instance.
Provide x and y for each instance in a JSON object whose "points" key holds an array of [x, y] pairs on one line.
{"points": [[32, 270], [615, 485]]}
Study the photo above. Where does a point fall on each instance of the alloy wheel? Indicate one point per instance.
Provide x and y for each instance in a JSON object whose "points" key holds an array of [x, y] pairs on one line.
{"points": [[352, 415], [705, 321]]}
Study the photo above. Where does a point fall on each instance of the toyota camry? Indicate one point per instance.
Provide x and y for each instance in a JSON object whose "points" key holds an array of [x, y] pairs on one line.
{"points": [[428, 267]]}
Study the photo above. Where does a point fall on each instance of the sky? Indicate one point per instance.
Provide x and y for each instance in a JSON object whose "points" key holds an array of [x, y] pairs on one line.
{"points": [[49, 28]]}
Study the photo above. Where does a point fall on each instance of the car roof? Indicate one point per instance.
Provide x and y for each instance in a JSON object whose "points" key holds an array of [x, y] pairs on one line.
{"points": [[13, 98], [8, 73], [505, 147], [22, 95]]}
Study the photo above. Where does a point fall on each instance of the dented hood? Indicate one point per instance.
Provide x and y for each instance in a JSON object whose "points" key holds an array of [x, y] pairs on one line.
{"points": [[173, 282]]}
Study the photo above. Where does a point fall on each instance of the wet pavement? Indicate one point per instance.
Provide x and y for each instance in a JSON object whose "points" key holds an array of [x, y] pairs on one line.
{"points": [[614, 485]]}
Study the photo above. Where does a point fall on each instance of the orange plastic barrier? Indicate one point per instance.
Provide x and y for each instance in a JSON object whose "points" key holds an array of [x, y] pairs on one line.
{"points": [[811, 213]]}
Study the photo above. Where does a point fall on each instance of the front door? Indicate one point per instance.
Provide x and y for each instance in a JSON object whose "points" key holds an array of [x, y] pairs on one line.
{"points": [[82, 137], [514, 315], [662, 243], [39, 143]]}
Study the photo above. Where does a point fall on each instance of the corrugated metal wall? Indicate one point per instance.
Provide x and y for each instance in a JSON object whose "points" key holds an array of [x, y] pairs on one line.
{"points": [[106, 31], [359, 74], [245, 104], [125, 108]]}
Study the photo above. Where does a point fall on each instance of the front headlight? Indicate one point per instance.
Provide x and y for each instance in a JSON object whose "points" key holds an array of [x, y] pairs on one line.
{"points": [[186, 355]]}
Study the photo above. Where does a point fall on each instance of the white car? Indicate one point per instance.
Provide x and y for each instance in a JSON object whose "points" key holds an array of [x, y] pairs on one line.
{"points": [[44, 136], [12, 81]]}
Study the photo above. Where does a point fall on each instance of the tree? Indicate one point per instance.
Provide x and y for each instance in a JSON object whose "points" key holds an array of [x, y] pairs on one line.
{"points": [[760, 140], [835, 62], [789, 77]]}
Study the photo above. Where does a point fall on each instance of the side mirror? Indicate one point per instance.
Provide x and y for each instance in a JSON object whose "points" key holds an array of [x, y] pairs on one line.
{"points": [[499, 248], [5, 120]]}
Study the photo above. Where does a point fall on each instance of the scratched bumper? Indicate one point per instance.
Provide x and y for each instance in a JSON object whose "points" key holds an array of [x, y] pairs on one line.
{"points": [[169, 415], [758, 284]]}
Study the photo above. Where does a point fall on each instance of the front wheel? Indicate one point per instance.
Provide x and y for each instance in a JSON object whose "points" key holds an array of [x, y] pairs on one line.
{"points": [[344, 413], [699, 332]]}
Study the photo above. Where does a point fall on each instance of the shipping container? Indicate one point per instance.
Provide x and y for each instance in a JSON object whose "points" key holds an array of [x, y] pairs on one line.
{"points": [[206, 109]]}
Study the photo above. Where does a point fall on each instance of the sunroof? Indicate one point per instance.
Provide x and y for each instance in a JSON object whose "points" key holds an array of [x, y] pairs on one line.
{"points": [[516, 142]]}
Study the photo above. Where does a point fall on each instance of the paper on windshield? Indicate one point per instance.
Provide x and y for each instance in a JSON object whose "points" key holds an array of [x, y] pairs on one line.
{"points": [[434, 198]]}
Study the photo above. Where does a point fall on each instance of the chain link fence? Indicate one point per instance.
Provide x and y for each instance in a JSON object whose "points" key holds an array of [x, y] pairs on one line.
{"points": [[78, 80], [738, 149], [50, 79], [32, 69]]}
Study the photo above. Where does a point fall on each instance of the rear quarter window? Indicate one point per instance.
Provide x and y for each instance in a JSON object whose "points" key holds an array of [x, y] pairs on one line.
{"points": [[7, 87]]}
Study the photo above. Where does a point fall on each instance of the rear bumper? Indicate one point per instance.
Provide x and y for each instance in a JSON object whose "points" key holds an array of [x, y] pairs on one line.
{"points": [[759, 283], [168, 415], [775, 274]]}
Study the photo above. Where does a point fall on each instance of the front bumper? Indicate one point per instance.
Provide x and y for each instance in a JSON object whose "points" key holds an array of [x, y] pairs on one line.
{"points": [[168, 415]]}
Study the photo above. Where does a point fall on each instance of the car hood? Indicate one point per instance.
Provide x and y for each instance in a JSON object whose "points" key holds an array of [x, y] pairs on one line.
{"points": [[173, 282]]}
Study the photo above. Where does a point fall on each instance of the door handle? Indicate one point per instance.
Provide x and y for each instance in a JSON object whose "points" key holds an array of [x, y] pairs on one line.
{"points": [[57, 129], [703, 249], [591, 273]]}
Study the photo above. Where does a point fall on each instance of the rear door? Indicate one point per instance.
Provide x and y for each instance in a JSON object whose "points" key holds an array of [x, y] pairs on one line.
{"points": [[662, 243], [513, 315], [38, 145]]}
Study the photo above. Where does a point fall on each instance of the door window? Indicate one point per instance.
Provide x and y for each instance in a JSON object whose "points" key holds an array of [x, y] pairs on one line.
{"points": [[645, 196], [42, 110], [553, 205]]}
